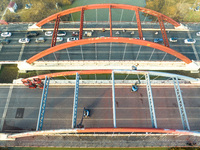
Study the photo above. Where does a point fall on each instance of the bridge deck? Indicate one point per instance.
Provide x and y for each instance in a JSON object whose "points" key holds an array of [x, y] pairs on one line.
{"points": [[132, 109]]}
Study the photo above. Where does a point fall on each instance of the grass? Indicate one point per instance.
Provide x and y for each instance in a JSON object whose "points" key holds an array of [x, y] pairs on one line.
{"points": [[24, 148], [8, 73]]}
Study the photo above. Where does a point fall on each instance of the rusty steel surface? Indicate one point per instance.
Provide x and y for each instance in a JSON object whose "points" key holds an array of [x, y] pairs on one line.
{"points": [[108, 40], [110, 19], [81, 24], [162, 28], [55, 31], [139, 24], [104, 6]]}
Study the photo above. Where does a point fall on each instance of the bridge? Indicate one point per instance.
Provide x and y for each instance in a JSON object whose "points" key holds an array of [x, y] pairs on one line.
{"points": [[162, 105]]}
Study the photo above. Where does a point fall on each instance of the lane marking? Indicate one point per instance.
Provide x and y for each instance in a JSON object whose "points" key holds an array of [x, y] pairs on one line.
{"points": [[6, 107], [193, 47], [21, 52]]}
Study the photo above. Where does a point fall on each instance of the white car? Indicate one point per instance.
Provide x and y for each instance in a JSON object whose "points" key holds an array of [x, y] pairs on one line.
{"points": [[61, 33], [189, 41], [24, 40], [173, 39], [6, 34], [49, 33], [59, 39], [139, 38], [198, 33], [72, 39]]}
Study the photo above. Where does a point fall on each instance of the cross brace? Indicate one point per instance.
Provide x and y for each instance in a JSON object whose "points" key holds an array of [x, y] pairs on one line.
{"points": [[151, 103], [55, 31], [162, 28], [75, 106], [113, 100], [181, 104], [139, 24], [81, 24], [43, 104]]}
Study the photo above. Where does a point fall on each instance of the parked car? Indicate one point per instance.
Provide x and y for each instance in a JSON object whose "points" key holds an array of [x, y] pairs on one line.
{"points": [[61, 33], [189, 41], [6, 34], [31, 33], [48, 33], [72, 39], [157, 40], [59, 39], [173, 39], [198, 33], [24, 40], [5, 41], [40, 40]]}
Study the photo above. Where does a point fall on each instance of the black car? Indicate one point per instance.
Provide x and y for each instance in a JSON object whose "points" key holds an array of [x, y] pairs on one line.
{"points": [[5, 41], [32, 33]]}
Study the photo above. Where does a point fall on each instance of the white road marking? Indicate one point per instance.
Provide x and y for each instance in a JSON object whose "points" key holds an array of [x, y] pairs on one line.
{"points": [[6, 107], [193, 47], [21, 52]]}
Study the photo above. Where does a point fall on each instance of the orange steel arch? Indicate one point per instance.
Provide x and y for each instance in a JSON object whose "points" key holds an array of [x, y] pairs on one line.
{"points": [[104, 6], [106, 40], [69, 73]]}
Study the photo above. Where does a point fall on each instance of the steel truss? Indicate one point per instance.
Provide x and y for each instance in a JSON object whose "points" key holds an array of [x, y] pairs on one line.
{"points": [[181, 104], [109, 40], [151, 103], [43, 104], [81, 24], [139, 24], [75, 106]]}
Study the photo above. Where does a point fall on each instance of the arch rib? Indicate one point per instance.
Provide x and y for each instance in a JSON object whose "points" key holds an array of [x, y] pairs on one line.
{"points": [[108, 40], [104, 6]]}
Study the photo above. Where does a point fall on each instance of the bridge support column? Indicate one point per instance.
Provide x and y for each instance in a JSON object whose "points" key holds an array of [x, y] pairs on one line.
{"points": [[181, 104], [75, 105], [139, 23], [113, 100], [43, 104], [55, 31], [151, 103]]}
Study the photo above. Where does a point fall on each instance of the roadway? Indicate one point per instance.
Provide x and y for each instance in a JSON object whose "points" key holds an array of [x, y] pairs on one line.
{"points": [[19, 108], [105, 51]]}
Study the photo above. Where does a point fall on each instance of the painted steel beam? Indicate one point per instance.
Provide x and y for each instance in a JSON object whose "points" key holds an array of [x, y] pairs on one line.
{"points": [[43, 104], [103, 130], [162, 28], [106, 6], [55, 31], [139, 24], [109, 40], [181, 104], [151, 102], [113, 100], [81, 24], [75, 105], [86, 72], [110, 19]]}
